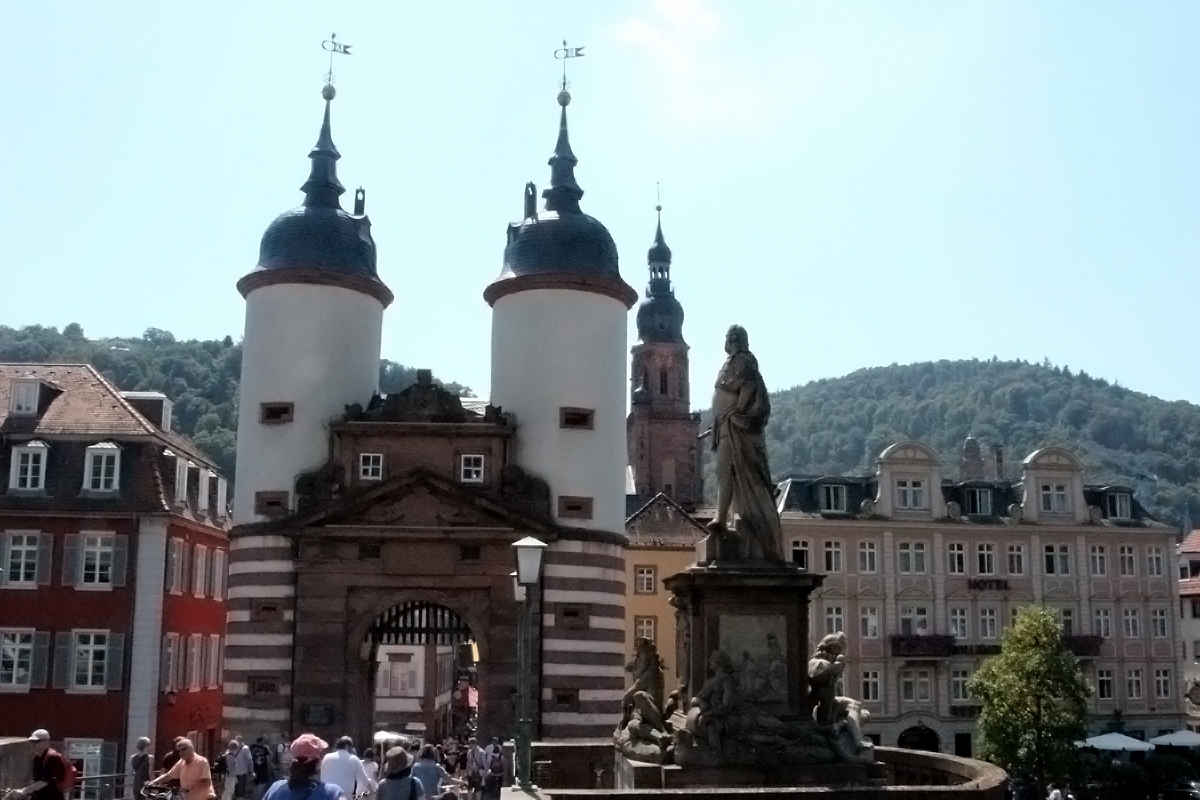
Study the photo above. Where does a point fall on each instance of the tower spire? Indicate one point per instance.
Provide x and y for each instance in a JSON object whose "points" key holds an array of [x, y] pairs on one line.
{"points": [[322, 189], [659, 259], [564, 193]]}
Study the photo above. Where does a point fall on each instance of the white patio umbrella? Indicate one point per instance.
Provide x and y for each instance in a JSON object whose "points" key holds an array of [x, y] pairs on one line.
{"points": [[388, 736], [1184, 738], [1116, 741]]}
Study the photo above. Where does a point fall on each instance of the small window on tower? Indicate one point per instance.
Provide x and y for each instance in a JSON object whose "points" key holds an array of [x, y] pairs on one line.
{"points": [[577, 418], [271, 504], [663, 383], [266, 611], [276, 413], [566, 700], [572, 617], [259, 686], [574, 507]]}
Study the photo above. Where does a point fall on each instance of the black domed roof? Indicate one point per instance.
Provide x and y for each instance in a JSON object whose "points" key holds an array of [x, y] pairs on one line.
{"points": [[660, 319], [319, 234]]}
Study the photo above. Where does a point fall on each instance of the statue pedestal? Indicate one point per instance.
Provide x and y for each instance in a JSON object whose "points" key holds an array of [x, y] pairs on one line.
{"points": [[757, 613]]}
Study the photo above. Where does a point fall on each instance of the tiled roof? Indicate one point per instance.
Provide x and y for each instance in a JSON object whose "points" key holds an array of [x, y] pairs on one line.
{"points": [[1191, 544], [663, 521], [1189, 587], [85, 404]]}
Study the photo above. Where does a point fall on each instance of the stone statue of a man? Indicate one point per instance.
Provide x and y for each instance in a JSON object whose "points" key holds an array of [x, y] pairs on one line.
{"points": [[741, 409]]}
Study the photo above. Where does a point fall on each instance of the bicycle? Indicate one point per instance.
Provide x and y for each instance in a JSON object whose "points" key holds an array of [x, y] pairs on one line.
{"points": [[159, 792]]}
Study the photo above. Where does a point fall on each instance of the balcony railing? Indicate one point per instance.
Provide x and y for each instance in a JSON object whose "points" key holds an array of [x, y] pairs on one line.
{"points": [[1084, 646], [927, 646], [968, 712]]}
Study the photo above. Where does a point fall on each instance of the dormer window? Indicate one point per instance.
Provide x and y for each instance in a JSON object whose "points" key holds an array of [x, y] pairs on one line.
{"points": [[24, 398], [370, 466], [181, 480], [471, 469], [1054, 498], [1120, 505], [102, 468], [28, 470], [910, 494], [833, 497], [978, 502]]}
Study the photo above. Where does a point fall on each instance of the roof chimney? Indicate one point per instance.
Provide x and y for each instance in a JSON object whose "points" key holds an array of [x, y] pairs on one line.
{"points": [[999, 462]]}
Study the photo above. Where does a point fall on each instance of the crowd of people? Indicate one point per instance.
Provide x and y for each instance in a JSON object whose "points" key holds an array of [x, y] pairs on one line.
{"points": [[304, 768]]}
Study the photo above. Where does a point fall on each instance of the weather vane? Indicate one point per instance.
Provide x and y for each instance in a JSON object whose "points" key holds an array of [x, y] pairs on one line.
{"points": [[563, 54], [334, 46]]}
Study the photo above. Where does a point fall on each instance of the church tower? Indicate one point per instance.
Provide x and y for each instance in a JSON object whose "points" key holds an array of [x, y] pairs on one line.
{"points": [[661, 429], [559, 315], [314, 313]]}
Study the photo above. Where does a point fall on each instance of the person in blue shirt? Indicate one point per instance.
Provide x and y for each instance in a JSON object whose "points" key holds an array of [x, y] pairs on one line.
{"points": [[431, 773], [303, 781]]}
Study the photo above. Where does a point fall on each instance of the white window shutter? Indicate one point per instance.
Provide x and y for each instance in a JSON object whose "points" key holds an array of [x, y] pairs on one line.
{"points": [[114, 661], [70, 567], [120, 561], [164, 665], [185, 564], [5, 539], [170, 577], [45, 558], [41, 660], [64, 657]]}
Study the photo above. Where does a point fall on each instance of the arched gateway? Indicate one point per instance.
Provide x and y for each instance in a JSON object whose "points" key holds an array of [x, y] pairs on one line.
{"points": [[920, 737]]}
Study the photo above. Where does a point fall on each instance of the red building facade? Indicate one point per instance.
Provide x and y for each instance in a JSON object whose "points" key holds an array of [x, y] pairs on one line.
{"points": [[113, 563]]}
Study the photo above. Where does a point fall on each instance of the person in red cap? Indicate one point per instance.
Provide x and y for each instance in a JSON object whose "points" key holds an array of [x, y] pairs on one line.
{"points": [[304, 781]]}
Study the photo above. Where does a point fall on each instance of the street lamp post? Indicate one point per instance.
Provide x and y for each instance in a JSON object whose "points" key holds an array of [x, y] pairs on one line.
{"points": [[529, 553]]}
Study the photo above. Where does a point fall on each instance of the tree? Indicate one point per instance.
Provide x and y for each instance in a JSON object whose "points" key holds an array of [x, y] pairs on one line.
{"points": [[1034, 700]]}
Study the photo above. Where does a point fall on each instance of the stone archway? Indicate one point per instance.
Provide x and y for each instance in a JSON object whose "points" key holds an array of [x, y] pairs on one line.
{"points": [[920, 737]]}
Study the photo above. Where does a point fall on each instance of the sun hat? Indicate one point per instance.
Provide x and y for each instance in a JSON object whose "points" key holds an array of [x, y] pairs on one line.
{"points": [[40, 735], [308, 745], [398, 758]]}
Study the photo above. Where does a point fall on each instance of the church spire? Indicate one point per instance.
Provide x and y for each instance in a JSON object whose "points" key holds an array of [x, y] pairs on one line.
{"points": [[564, 193], [323, 188]]}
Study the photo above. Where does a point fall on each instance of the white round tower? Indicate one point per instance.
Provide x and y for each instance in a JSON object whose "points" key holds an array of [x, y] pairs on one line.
{"points": [[314, 314], [558, 349]]}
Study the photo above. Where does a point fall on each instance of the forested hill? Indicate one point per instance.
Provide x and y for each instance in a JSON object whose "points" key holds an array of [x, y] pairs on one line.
{"points": [[840, 425], [200, 377]]}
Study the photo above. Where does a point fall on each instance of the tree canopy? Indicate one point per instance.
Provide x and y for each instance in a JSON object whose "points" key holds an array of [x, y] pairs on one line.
{"points": [[840, 425], [199, 377], [1034, 699]]}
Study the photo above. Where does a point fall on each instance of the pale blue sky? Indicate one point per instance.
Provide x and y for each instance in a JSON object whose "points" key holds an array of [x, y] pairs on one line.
{"points": [[856, 183]]}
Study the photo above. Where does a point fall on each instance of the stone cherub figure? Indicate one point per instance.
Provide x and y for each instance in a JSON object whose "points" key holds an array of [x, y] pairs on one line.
{"points": [[647, 670], [824, 669], [741, 408], [641, 734]]}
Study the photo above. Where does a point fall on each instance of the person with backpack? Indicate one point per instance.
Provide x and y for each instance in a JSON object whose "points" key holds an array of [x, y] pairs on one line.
{"points": [[399, 783], [304, 781], [192, 772], [260, 759], [53, 774], [494, 779]]}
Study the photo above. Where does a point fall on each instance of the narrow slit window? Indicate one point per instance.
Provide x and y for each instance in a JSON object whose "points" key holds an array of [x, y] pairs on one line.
{"points": [[276, 413], [583, 419]]}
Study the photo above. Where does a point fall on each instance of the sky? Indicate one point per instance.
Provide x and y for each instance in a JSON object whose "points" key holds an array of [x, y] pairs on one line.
{"points": [[857, 183]]}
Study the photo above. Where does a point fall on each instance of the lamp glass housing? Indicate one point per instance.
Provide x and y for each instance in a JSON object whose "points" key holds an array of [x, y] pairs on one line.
{"points": [[529, 560]]}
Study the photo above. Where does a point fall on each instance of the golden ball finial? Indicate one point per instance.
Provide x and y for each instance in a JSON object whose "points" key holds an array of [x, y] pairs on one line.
{"points": [[564, 98], [328, 92]]}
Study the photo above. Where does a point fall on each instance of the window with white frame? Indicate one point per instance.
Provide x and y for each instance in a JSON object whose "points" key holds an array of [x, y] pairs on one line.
{"points": [[1158, 623], [1016, 559], [1127, 560], [914, 620], [645, 628], [96, 559], [956, 558], [800, 553], [868, 561], [211, 675], [1098, 558], [28, 467], [1102, 622], [1133, 623], [91, 660], [978, 502], [869, 622], [471, 469], [16, 659], [1162, 684], [24, 398], [193, 662], [169, 670], [910, 494], [1054, 498], [222, 498], [21, 566], [988, 619], [1058, 559], [1154, 562], [833, 497], [645, 579], [370, 466], [834, 619], [1104, 684], [959, 679], [870, 686], [915, 685], [217, 586], [102, 468], [833, 556], [911, 558], [1133, 684], [175, 565], [88, 757], [958, 623], [1066, 621], [1119, 505], [181, 480], [202, 500], [986, 558], [200, 570]]}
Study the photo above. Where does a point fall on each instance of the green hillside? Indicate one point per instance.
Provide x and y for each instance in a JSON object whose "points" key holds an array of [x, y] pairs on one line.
{"points": [[840, 425], [200, 377]]}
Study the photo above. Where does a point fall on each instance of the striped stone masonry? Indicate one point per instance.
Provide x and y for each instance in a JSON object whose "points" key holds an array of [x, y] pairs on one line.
{"points": [[258, 645], [583, 639]]}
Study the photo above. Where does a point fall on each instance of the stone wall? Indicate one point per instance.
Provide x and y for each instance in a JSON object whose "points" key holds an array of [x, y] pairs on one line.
{"points": [[16, 754]]}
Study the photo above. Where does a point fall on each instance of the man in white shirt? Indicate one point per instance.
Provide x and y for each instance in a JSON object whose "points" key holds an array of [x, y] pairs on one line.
{"points": [[344, 770]]}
